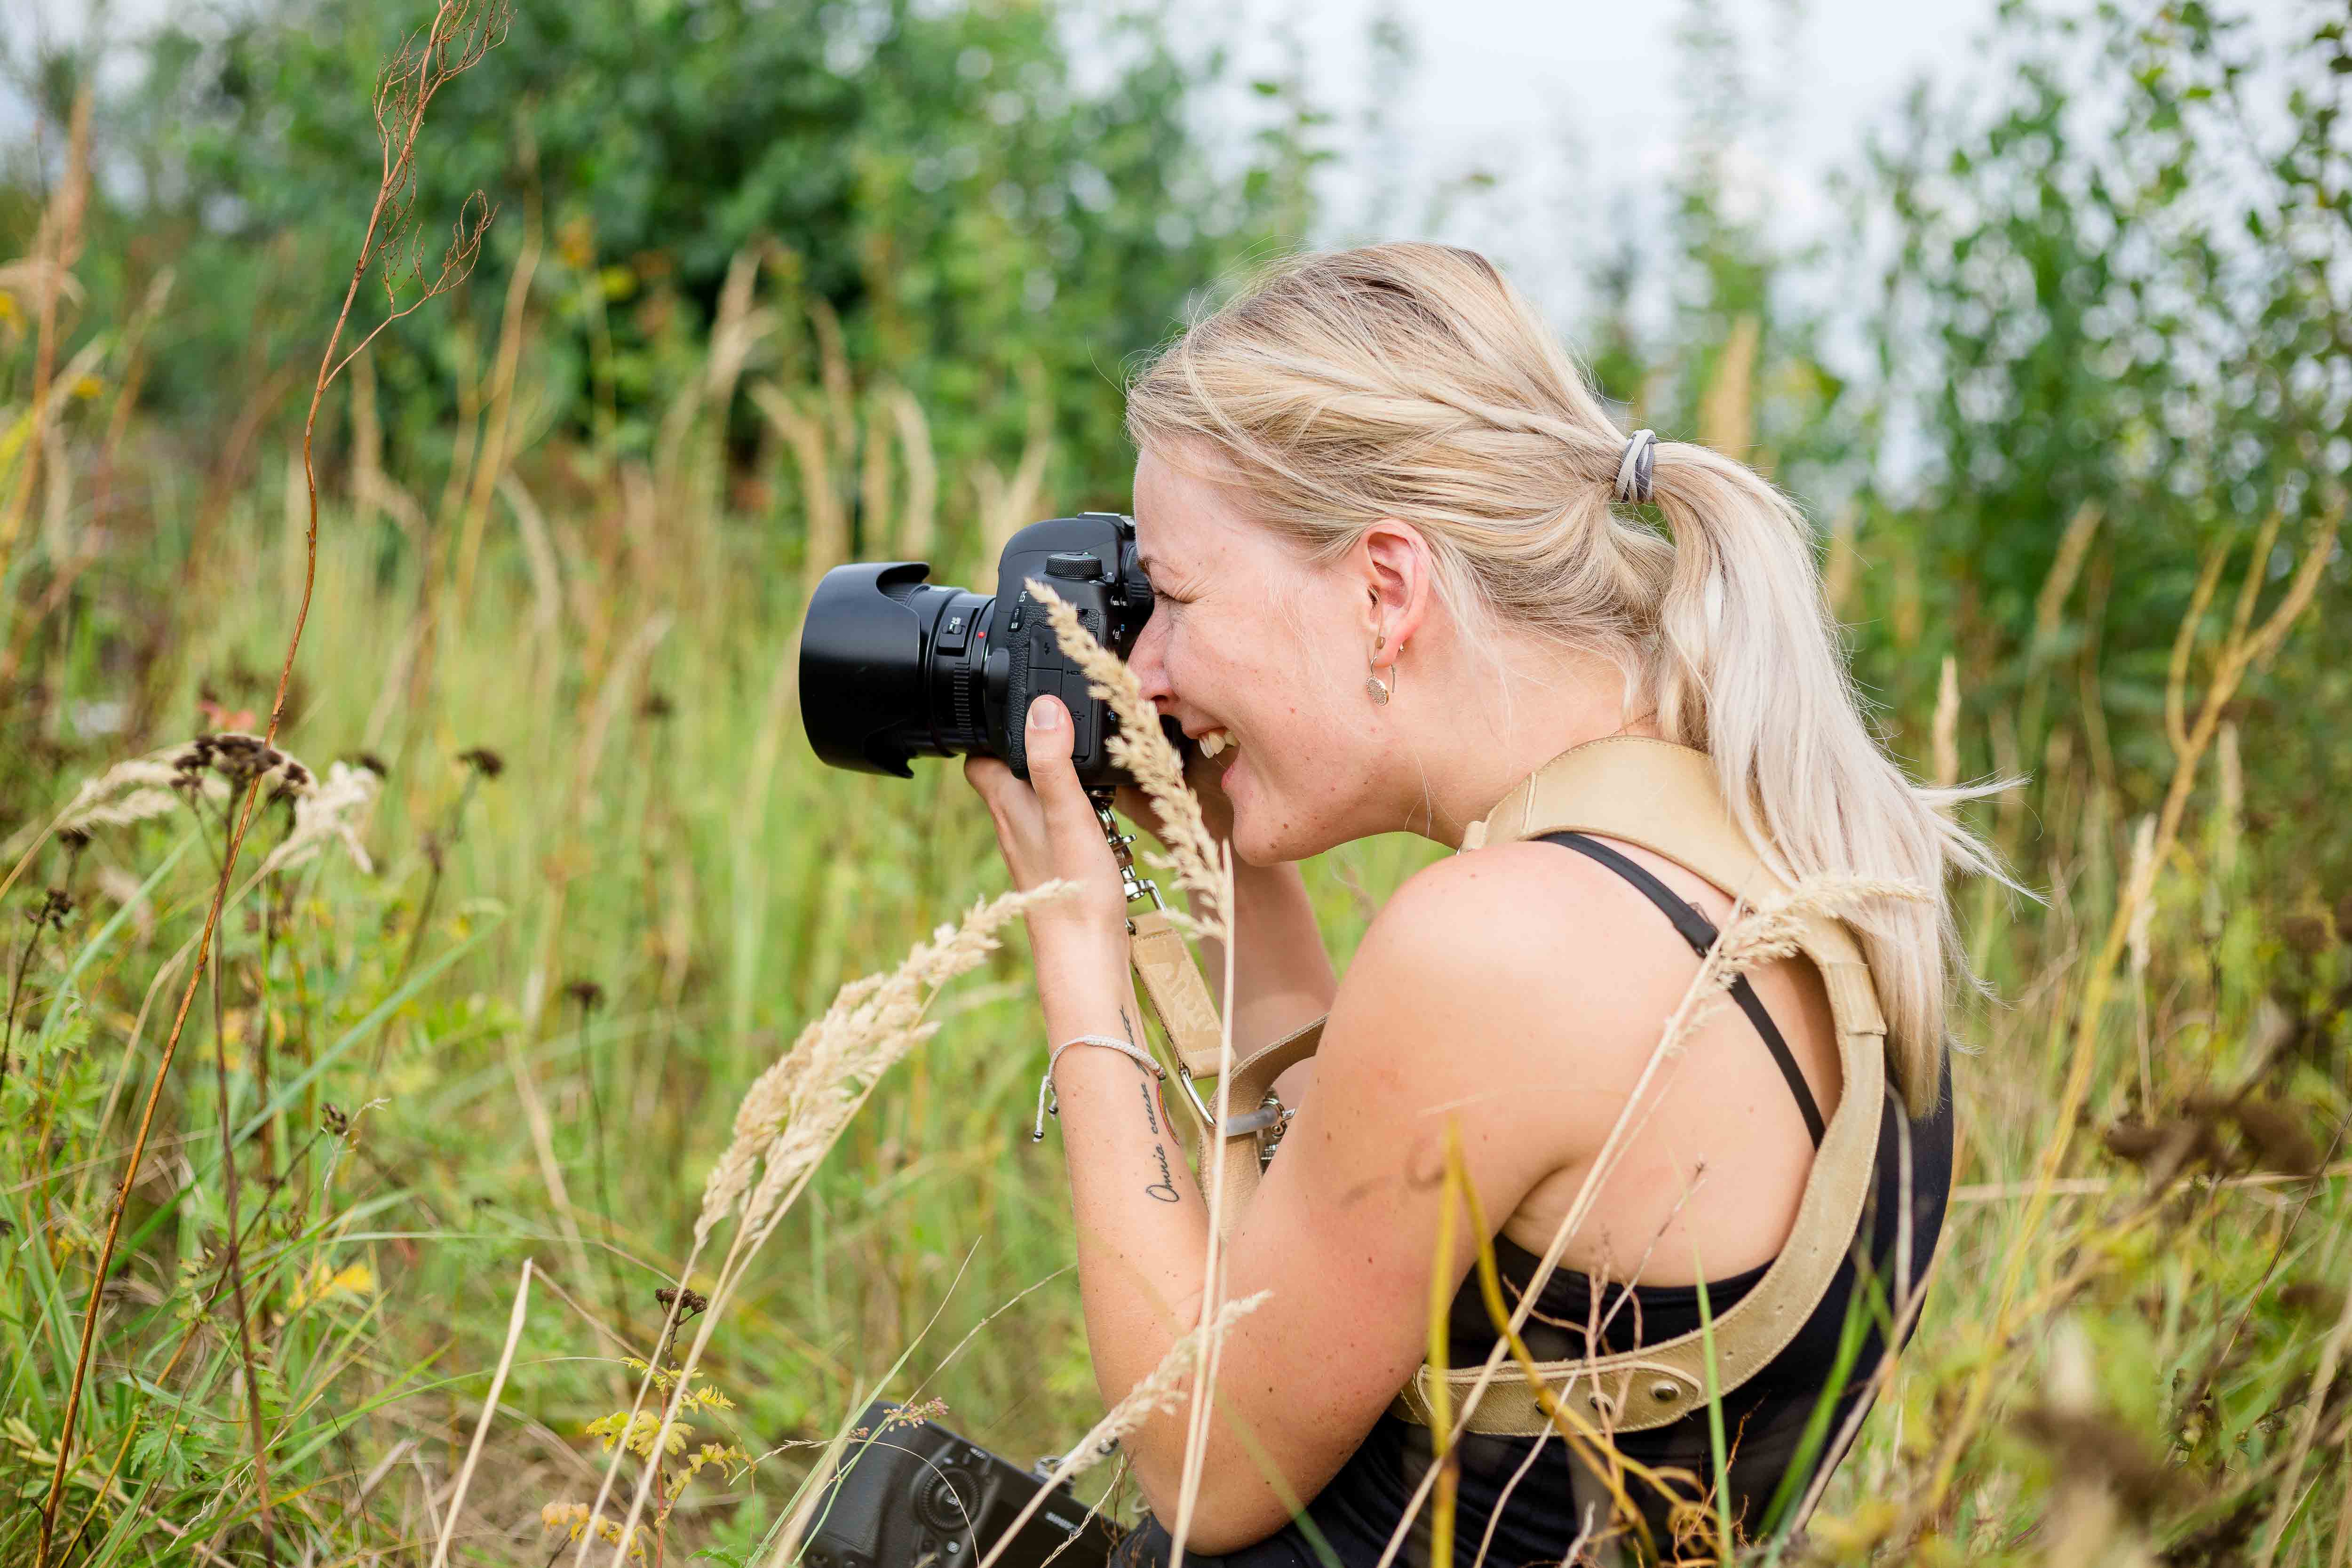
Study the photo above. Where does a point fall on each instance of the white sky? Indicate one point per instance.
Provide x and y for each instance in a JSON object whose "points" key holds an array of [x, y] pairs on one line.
{"points": [[1572, 103], [1495, 72]]}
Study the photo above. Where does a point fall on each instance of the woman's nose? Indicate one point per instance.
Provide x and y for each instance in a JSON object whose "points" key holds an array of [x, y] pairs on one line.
{"points": [[1145, 658]]}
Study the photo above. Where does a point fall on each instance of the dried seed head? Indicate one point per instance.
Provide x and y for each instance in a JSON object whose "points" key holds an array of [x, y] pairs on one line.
{"points": [[241, 758], [372, 763], [334, 810], [587, 992], [2276, 1137], [484, 760], [75, 838], [695, 1302], [2306, 934], [337, 1122], [656, 705]]}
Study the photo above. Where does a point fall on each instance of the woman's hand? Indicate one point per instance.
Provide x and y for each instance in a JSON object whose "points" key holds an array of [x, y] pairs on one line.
{"points": [[1047, 829]]}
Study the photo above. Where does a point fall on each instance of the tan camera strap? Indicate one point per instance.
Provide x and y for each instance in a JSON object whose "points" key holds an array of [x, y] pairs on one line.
{"points": [[1663, 798]]}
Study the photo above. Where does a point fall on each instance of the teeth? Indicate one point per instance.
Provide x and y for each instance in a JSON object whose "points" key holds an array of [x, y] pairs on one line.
{"points": [[1214, 742]]}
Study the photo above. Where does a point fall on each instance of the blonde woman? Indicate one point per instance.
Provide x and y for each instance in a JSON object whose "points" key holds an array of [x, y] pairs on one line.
{"points": [[1409, 576]]}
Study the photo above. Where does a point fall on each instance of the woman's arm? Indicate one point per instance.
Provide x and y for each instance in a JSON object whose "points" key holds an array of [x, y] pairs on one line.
{"points": [[1282, 973], [1453, 1014]]}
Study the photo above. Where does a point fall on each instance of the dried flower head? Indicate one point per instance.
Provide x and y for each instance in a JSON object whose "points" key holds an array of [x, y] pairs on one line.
{"points": [[793, 1110], [695, 1301], [656, 705], [372, 763], [241, 758], [1203, 864], [335, 810], [484, 760], [126, 792], [587, 992]]}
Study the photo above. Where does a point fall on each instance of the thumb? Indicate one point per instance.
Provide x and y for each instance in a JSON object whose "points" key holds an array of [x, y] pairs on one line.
{"points": [[1047, 744]]}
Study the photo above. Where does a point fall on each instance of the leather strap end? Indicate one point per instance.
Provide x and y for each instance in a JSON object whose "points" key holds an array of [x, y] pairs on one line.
{"points": [[1177, 994]]}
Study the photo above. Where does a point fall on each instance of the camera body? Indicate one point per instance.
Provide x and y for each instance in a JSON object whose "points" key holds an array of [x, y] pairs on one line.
{"points": [[894, 667], [912, 1494]]}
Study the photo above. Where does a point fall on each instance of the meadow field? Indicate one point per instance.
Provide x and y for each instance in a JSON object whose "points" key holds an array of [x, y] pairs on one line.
{"points": [[361, 1087]]}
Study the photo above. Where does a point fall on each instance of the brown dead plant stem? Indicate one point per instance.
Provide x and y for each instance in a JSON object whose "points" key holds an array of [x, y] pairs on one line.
{"points": [[460, 34]]}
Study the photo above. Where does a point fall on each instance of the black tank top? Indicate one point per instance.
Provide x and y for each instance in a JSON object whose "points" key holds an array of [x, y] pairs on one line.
{"points": [[1524, 1500]]}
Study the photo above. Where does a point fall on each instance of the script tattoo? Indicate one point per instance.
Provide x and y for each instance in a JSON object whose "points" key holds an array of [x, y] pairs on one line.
{"points": [[1164, 1189]]}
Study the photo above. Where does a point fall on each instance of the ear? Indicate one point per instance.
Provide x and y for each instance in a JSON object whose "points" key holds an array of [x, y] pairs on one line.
{"points": [[1400, 576]]}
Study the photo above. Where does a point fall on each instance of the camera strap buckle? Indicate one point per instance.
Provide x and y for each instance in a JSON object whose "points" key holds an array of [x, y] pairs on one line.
{"points": [[1137, 889]]}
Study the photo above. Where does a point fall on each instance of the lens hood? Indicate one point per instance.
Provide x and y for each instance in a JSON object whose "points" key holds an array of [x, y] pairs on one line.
{"points": [[861, 674]]}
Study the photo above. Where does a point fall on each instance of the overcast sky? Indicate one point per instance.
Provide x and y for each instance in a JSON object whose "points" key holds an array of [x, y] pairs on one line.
{"points": [[1571, 103], [1495, 72], [1574, 104]]}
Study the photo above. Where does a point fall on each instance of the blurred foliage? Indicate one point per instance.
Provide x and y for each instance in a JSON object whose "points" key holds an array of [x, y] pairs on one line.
{"points": [[983, 223]]}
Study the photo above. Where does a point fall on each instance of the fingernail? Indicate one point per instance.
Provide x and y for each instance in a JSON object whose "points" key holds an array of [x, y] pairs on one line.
{"points": [[1046, 713]]}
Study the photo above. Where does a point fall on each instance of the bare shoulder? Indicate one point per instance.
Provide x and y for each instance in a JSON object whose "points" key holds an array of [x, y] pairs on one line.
{"points": [[1515, 966]]}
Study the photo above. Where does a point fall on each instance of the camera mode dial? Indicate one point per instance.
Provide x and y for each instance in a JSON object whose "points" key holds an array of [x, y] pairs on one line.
{"points": [[949, 1500], [1072, 563]]}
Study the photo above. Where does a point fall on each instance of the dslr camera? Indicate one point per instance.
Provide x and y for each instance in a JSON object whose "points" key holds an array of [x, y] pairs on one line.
{"points": [[894, 667], [911, 1494]]}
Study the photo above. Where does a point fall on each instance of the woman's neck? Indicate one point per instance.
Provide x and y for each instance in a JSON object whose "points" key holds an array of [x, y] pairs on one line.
{"points": [[1476, 732]]}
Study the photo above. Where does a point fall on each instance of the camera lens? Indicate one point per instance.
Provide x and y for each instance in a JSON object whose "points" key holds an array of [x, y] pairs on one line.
{"points": [[893, 668]]}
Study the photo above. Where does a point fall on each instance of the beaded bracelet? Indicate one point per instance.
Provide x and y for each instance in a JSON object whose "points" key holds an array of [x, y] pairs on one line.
{"points": [[1049, 1103]]}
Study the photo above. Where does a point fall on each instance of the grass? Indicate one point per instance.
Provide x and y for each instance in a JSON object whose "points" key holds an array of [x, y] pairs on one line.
{"points": [[608, 886]]}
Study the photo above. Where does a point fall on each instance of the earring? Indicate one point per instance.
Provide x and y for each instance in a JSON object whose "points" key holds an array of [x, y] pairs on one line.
{"points": [[1380, 690]]}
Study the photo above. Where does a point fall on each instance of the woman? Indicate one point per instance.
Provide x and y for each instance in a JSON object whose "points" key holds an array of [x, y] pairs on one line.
{"points": [[1398, 569]]}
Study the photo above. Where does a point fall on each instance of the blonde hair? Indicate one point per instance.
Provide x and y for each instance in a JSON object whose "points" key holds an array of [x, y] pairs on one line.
{"points": [[1413, 382]]}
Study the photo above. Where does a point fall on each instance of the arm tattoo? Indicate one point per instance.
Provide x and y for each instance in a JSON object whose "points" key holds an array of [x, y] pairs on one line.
{"points": [[1164, 1189]]}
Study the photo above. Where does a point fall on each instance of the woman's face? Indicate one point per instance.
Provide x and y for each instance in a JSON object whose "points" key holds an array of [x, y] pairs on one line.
{"points": [[1249, 640]]}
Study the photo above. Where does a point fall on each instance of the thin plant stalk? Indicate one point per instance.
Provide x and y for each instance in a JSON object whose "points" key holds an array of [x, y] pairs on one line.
{"points": [[233, 1264], [16, 990], [521, 1311], [455, 22]]}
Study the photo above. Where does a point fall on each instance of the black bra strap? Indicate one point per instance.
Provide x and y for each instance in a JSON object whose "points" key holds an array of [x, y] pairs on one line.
{"points": [[1699, 932]]}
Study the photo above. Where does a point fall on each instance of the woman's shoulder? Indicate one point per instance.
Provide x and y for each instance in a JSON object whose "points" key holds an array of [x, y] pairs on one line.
{"points": [[1519, 959], [1538, 901]]}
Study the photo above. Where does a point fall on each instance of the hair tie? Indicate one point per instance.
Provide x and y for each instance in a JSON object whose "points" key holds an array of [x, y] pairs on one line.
{"points": [[1636, 467]]}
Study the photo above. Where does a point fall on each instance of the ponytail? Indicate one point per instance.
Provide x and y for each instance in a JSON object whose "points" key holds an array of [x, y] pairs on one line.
{"points": [[1413, 381], [1747, 668]]}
